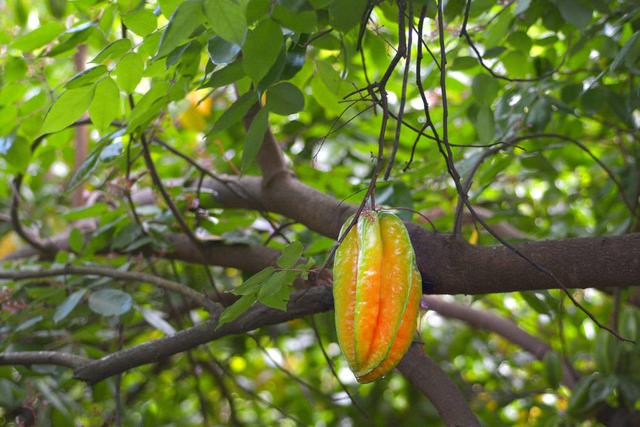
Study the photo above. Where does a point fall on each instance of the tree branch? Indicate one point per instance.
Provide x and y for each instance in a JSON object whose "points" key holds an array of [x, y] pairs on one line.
{"points": [[445, 395], [42, 358], [313, 300], [501, 326], [186, 291]]}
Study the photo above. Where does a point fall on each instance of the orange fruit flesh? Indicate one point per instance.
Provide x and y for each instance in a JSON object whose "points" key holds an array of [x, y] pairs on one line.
{"points": [[405, 333], [367, 285], [396, 271]]}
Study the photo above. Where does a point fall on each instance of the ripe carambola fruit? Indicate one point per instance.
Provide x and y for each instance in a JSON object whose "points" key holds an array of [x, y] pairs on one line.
{"points": [[376, 290]]}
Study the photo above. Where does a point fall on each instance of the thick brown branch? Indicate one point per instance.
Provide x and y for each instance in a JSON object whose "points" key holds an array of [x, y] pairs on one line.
{"points": [[451, 266]]}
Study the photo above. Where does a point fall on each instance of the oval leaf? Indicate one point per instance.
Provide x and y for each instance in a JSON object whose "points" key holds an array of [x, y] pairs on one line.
{"points": [[68, 108], [105, 107], [255, 136], [284, 99], [262, 48], [68, 305], [226, 19], [110, 302]]}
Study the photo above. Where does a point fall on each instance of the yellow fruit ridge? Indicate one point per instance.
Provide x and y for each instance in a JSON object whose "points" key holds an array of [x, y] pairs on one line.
{"points": [[368, 284], [344, 290], [376, 292]]}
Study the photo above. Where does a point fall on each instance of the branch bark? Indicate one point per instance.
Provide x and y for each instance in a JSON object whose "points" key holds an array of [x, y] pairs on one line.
{"points": [[313, 300], [451, 266], [42, 358]]}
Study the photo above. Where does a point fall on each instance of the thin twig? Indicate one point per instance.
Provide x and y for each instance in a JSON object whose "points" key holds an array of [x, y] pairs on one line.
{"points": [[132, 276], [333, 370], [165, 194], [403, 95]]}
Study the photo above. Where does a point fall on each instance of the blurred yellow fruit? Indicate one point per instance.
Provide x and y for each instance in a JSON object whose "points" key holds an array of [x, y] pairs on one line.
{"points": [[8, 244], [194, 118]]}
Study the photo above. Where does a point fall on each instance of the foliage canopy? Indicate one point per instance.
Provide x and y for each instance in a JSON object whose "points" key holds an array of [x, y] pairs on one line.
{"points": [[132, 135]]}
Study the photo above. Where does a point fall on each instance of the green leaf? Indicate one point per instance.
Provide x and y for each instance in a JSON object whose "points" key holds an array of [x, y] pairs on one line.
{"points": [[485, 124], [28, 323], [274, 284], [129, 71], [14, 69], [537, 301], [494, 52], [222, 51], [629, 324], [301, 22], [607, 352], [279, 300], [274, 73], [539, 114], [68, 108], [345, 15], [290, 255], [575, 12], [187, 17], [600, 390], [86, 77], [90, 162], [68, 305], [463, 63], [142, 22], [149, 105], [76, 240], [396, 194], [484, 89], [253, 283], [628, 53], [106, 105], [17, 152], [110, 302], [38, 37], [77, 35], [225, 76], [155, 319], [498, 29], [227, 20], [539, 163], [552, 369], [262, 48], [235, 113], [236, 309], [255, 136], [284, 99], [579, 400], [520, 41], [111, 152], [168, 6], [277, 289], [332, 79], [113, 51], [86, 212]]}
